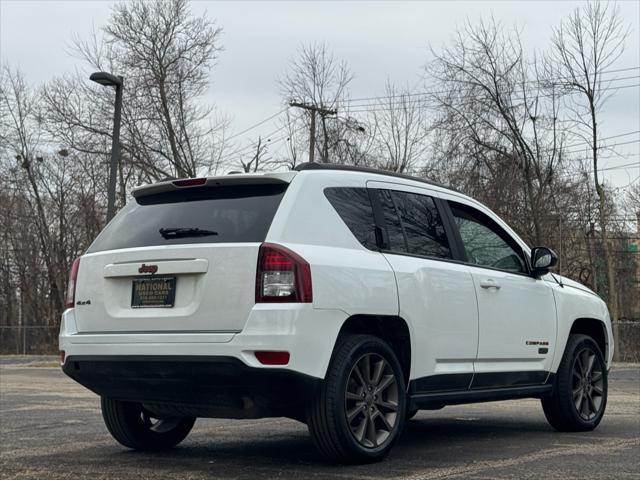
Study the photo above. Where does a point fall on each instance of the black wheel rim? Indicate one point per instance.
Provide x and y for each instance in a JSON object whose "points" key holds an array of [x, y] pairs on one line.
{"points": [[371, 400], [587, 386]]}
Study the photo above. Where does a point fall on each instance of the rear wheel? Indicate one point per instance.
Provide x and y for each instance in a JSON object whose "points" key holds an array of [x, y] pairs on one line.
{"points": [[359, 412], [579, 394], [135, 427]]}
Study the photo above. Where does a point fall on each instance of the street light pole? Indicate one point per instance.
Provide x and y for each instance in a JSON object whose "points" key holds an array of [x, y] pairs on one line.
{"points": [[109, 80]]}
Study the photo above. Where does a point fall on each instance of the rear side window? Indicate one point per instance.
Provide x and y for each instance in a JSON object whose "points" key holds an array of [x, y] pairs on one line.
{"points": [[354, 207], [417, 219], [238, 213]]}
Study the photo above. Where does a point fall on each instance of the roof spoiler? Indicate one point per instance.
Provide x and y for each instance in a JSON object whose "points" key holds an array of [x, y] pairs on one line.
{"points": [[180, 184]]}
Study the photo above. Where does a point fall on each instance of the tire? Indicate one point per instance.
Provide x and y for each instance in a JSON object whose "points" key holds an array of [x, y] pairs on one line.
{"points": [[410, 414], [579, 396], [134, 427], [365, 382]]}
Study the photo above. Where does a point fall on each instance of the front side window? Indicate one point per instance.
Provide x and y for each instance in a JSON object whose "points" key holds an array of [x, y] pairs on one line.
{"points": [[414, 224], [485, 243]]}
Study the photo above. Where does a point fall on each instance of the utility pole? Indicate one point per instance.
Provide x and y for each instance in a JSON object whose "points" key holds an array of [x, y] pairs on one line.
{"points": [[313, 109]]}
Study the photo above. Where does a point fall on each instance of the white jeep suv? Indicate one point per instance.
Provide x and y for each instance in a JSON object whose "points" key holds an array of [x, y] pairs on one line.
{"points": [[346, 298]]}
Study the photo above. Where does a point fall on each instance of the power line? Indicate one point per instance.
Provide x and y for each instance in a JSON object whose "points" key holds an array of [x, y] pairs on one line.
{"points": [[626, 134], [383, 106], [256, 125], [604, 146], [354, 102], [619, 167], [433, 92], [247, 148], [240, 152]]}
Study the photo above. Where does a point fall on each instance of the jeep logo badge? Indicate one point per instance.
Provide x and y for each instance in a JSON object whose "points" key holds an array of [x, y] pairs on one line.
{"points": [[148, 268]]}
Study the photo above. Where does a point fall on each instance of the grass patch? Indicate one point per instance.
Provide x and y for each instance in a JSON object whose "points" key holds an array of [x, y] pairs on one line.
{"points": [[43, 365]]}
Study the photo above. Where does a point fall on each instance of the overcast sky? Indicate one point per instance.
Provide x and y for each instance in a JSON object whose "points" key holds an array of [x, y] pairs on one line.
{"points": [[378, 40]]}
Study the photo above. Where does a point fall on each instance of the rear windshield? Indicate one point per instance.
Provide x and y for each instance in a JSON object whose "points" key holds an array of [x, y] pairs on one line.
{"points": [[221, 214]]}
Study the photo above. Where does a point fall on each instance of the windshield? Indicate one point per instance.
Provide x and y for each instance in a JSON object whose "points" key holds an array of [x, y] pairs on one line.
{"points": [[220, 214]]}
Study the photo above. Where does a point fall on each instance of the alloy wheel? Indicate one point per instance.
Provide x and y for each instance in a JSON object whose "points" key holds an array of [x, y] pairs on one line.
{"points": [[371, 400], [587, 384]]}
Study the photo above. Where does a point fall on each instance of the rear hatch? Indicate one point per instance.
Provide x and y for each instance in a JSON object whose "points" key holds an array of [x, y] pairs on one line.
{"points": [[178, 259]]}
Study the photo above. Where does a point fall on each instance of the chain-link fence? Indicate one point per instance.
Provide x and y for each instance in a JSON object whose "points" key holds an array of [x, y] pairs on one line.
{"points": [[628, 344], [29, 340]]}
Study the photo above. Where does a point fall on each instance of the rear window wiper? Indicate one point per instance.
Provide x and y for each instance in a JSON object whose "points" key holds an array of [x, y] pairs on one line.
{"points": [[185, 232]]}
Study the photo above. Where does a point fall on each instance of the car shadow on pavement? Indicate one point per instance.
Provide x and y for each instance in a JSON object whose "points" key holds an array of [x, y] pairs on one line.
{"points": [[432, 442]]}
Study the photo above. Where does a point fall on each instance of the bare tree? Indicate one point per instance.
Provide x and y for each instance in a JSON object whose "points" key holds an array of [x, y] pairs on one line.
{"points": [[165, 55], [495, 113], [292, 127], [632, 199], [21, 138], [316, 78], [401, 129], [259, 156], [168, 53], [584, 46], [50, 208]]}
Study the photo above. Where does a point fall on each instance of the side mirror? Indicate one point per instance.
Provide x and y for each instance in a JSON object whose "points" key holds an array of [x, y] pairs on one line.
{"points": [[542, 259]]}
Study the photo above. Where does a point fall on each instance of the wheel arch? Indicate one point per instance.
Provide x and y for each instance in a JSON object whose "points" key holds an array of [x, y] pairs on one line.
{"points": [[392, 329], [593, 328]]}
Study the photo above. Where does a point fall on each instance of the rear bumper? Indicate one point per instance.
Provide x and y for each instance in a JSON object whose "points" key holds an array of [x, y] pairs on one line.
{"points": [[308, 334], [194, 385]]}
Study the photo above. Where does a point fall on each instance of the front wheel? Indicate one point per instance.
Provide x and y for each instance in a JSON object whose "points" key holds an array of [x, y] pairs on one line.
{"points": [[359, 412], [579, 395], [135, 427]]}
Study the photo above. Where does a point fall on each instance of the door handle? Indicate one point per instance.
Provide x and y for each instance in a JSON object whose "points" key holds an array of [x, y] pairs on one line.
{"points": [[489, 283]]}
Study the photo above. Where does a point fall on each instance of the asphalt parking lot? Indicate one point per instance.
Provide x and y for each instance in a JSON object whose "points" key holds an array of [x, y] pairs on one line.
{"points": [[52, 428]]}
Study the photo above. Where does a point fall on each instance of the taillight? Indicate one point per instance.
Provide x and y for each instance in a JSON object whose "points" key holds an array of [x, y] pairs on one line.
{"points": [[282, 276], [71, 286]]}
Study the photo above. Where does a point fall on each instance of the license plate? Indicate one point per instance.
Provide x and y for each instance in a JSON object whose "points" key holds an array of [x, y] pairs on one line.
{"points": [[153, 292]]}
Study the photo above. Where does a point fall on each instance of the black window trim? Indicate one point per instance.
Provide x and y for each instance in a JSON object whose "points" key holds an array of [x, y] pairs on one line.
{"points": [[382, 237], [397, 210], [509, 240], [440, 204], [455, 240]]}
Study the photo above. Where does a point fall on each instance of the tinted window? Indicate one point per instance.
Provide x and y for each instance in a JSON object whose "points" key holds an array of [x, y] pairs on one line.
{"points": [[485, 243], [354, 207], [395, 232], [419, 223], [239, 213]]}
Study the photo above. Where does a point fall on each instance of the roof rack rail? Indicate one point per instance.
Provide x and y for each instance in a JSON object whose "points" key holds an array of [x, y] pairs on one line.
{"points": [[352, 168]]}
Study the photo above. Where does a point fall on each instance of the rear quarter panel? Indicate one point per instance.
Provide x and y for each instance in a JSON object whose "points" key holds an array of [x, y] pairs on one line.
{"points": [[345, 275]]}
